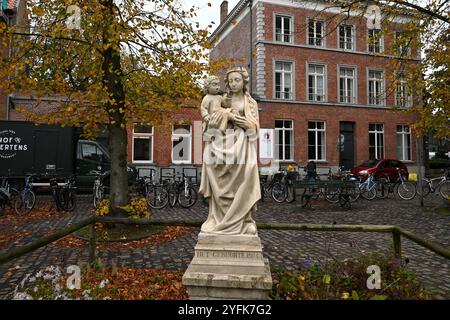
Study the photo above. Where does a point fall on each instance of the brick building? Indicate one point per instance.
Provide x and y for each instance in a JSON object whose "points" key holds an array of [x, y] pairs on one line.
{"points": [[319, 83], [321, 80], [12, 12]]}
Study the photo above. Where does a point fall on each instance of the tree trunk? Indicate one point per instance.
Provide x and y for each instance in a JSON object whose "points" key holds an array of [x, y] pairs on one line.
{"points": [[118, 141], [119, 177]]}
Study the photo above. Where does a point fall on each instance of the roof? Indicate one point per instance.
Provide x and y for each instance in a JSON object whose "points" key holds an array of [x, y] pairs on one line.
{"points": [[242, 4]]}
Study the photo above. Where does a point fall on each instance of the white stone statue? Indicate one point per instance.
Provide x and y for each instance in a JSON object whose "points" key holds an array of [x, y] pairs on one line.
{"points": [[212, 100], [230, 177]]}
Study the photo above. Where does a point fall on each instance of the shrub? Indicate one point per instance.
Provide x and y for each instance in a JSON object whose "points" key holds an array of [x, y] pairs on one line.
{"points": [[437, 163], [347, 280], [137, 208]]}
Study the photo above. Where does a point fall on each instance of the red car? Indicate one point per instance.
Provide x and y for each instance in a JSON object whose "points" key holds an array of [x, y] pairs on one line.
{"points": [[380, 168]]}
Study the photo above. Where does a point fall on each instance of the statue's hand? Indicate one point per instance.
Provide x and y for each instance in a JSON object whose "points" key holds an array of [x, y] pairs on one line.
{"points": [[214, 120], [242, 122], [207, 118]]}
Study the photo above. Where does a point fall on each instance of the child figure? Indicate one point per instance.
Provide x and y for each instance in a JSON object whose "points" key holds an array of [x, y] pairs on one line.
{"points": [[212, 100], [215, 107]]}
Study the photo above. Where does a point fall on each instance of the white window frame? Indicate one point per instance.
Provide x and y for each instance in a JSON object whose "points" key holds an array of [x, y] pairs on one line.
{"points": [[382, 86], [139, 135], [353, 37], [405, 134], [325, 77], [381, 42], [184, 135], [282, 159], [376, 132], [308, 20], [282, 85], [316, 145], [291, 26], [408, 99], [355, 87]]}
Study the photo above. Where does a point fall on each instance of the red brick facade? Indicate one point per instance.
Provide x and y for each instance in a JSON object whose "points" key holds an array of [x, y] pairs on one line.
{"points": [[162, 138], [252, 42], [232, 40]]}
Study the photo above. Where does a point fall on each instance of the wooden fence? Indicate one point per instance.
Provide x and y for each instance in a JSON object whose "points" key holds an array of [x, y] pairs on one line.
{"points": [[397, 233]]}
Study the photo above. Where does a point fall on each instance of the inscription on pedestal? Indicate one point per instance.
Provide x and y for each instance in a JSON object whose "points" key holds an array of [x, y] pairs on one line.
{"points": [[228, 254]]}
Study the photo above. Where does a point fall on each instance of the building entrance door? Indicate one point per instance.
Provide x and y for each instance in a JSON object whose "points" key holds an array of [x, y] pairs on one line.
{"points": [[346, 145]]}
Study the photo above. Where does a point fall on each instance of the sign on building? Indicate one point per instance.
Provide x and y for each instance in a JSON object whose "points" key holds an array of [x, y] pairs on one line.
{"points": [[266, 143]]}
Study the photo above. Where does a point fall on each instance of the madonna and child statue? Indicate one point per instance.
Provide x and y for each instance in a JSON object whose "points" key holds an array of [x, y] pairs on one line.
{"points": [[228, 261]]}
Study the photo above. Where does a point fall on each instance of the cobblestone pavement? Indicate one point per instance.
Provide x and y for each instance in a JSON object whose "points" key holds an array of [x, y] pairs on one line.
{"points": [[288, 249]]}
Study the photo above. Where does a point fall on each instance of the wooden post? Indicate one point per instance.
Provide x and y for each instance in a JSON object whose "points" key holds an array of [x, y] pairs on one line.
{"points": [[420, 163], [91, 243], [397, 244]]}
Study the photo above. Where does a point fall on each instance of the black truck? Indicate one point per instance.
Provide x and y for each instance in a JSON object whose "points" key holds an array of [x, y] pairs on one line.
{"points": [[45, 150]]}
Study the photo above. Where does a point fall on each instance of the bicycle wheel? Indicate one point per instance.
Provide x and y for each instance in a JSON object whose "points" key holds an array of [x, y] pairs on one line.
{"points": [[157, 197], [368, 194], [98, 195], [187, 198], [354, 195], [425, 188], [279, 192], [332, 194], [24, 202], [444, 190], [406, 190], [172, 197], [66, 199]]}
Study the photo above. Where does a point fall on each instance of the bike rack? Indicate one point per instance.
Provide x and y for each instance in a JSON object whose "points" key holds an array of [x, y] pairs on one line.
{"points": [[194, 176], [151, 172], [166, 173]]}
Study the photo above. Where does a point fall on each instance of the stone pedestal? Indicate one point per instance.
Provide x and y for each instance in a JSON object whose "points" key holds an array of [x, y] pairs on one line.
{"points": [[228, 267]]}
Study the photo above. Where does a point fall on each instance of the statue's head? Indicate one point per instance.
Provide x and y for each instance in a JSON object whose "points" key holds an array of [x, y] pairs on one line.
{"points": [[212, 85], [233, 72]]}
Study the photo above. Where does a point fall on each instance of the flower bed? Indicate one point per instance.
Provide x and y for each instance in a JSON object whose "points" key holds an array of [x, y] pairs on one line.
{"points": [[105, 284], [348, 280]]}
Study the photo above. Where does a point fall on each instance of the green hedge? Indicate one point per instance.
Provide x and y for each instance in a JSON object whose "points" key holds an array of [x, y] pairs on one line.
{"points": [[439, 163]]}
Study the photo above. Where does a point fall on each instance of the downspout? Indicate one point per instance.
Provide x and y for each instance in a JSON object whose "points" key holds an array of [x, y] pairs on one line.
{"points": [[8, 97]]}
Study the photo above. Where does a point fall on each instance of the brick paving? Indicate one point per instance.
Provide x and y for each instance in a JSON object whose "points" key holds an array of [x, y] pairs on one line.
{"points": [[288, 249]]}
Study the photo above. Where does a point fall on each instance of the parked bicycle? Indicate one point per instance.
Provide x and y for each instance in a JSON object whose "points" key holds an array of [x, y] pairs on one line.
{"points": [[368, 188], [273, 187], [26, 199], [181, 191], [63, 195], [8, 195], [435, 185], [98, 191]]}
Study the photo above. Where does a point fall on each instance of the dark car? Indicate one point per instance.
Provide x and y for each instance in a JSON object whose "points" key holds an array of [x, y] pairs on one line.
{"points": [[381, 168]]}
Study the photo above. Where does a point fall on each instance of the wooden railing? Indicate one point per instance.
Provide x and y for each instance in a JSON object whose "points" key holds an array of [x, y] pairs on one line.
{"points": [[397, 233]]}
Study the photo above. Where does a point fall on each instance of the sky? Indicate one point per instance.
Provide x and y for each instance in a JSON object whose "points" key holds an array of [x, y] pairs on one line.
{"points": [[206, 14]]}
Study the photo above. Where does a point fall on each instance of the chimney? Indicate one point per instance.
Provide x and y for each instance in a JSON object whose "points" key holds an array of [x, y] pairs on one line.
{"points": [[223, 11]]}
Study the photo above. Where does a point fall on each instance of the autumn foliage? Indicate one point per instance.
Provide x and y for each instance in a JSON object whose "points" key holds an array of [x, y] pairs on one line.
{"points": [[125, 62]]}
